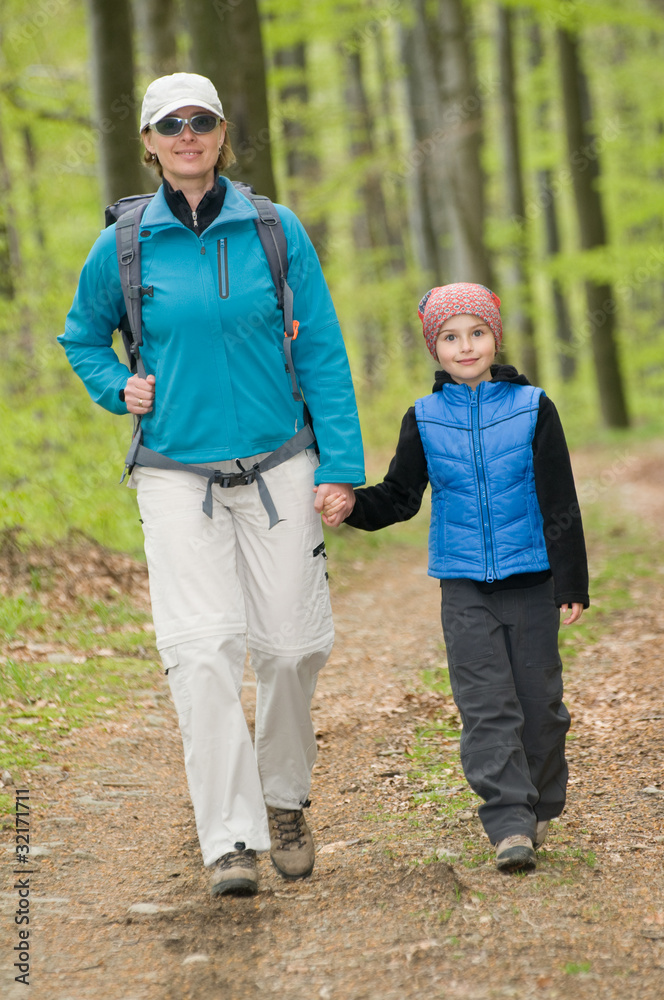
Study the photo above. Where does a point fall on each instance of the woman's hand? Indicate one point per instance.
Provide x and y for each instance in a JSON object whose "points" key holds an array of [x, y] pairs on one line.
{"points": [[339, 505], [139, 394]]}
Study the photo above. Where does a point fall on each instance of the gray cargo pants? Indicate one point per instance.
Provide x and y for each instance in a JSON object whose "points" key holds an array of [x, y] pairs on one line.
{"points": [[506, 677]]}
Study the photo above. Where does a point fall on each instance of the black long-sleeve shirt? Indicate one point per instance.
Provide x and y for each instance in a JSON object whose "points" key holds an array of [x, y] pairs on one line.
{"points": [[399, 497], [207, 209]]}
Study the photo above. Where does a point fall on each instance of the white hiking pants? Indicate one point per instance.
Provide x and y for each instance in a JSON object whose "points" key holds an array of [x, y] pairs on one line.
{"points": [[221, 586]]}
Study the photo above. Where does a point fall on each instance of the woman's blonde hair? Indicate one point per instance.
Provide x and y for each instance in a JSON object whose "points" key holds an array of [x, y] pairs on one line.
{"points": [[225, 159]]}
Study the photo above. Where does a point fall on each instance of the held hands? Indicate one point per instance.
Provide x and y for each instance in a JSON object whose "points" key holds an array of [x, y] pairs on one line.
{"points": [[139, 394], [576, 612], [335, 501]]}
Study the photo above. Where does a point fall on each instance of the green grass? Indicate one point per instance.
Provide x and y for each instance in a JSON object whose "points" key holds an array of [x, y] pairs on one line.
{"points": [[43, 702], [20, 613], [119, 626], [577, 968]]}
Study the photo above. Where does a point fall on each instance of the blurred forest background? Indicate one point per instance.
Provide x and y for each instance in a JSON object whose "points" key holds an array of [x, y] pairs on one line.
{"points": [[420, 142]]}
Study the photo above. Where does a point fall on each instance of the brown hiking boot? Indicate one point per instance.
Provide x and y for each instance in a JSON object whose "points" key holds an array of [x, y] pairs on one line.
{"points": [[291, 844], [235, 873], [514, 853]]}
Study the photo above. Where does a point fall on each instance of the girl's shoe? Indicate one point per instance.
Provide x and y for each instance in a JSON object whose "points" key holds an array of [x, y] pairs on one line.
{"points": [[515, 853]]}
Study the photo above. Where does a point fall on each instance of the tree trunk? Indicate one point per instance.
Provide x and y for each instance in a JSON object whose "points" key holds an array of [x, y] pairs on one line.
{"points": [[10, 252], [115, 106], [460, 150], [227, 47], [562, 321], [417, 171], [371, 233], [584, 166], [373, 230], [33, 185], [561, 315], [521, 313], [302, 165], [157, 30]]}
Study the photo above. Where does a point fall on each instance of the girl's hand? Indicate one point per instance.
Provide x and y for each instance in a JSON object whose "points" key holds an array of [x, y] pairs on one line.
{"points": [[139, 394], [333, 504], [334, 501], [577, 611]]}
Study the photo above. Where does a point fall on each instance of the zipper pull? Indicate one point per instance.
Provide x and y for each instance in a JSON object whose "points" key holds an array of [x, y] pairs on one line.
{"points": [[194, 216]]}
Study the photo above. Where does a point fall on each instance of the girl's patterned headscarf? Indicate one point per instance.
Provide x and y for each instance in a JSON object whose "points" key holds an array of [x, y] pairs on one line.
{"points": [[462, 298]]}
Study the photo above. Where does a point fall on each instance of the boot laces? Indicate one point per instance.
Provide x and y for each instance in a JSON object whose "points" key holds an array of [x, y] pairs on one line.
{"points": [[247, 858], [289, 828]]}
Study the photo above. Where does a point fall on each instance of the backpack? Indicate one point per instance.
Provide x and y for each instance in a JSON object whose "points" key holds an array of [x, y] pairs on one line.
{"points": [[127, 214]]}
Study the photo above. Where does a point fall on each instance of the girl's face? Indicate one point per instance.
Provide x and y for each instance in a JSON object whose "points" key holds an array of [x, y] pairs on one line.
{"points": [[466, 349], [189, 156]]}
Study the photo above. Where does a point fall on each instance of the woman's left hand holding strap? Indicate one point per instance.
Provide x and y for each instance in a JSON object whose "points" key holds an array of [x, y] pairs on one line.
{"points": [[139, 394]]}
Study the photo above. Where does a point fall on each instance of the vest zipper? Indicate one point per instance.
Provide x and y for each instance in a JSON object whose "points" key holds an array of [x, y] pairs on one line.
{"points": [[222, 267], [478, 457]]}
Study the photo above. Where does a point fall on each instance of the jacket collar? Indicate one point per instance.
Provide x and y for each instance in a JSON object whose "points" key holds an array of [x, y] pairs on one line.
{"points": [[236, 208], [499, 373], [207, 210]]}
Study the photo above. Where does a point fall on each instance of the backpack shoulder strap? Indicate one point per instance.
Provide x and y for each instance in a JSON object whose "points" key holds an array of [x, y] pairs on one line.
{"points": [[129, 266], [127, 214], [271, 233]]}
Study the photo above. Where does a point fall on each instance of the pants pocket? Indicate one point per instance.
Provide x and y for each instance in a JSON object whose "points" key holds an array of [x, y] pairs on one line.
{"points": [[464, 621]]}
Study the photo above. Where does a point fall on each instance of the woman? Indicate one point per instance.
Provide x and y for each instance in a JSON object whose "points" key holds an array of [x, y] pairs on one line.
{"points": [[218, 396]]}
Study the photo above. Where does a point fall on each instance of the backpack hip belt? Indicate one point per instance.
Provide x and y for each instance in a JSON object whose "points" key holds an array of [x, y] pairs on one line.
{"points": [[227, 480], [127, 214]]}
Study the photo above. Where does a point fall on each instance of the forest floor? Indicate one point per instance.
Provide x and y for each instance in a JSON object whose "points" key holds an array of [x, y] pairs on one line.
{"points": [[404, 901]]}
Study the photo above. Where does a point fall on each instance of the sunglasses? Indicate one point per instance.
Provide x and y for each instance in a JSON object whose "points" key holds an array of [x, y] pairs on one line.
{"points": [[200, 124]]}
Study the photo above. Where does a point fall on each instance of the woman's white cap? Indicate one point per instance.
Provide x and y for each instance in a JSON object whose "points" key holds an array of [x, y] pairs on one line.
{"points": [[179, 90]]}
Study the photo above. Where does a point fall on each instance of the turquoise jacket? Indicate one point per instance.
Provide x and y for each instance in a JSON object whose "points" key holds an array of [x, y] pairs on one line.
{"points": [[486, 522], [213, 338]]}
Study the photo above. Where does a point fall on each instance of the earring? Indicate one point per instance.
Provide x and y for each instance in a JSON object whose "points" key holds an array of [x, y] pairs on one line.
{"points": [[154, 156]]}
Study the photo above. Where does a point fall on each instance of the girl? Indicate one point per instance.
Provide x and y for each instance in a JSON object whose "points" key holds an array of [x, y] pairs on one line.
{"points": [[506, 542]]}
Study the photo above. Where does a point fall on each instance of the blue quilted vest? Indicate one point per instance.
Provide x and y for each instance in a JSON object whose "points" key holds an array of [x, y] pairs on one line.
{"points": [[486, 522]]}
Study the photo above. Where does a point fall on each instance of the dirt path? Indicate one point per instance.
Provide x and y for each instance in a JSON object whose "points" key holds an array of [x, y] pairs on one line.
{"points": [[404, 902]]}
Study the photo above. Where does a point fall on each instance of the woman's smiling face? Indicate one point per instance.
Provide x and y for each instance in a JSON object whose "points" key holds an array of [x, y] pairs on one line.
{"points": [[188, 156]]}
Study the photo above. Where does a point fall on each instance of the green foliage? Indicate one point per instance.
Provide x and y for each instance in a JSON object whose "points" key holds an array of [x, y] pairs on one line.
{"points": [[61, 456], [61, 467]]}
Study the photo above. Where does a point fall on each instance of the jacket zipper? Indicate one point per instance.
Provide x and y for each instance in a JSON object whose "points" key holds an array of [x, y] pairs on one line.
{"points": [[222, 267], [481, 478]]}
